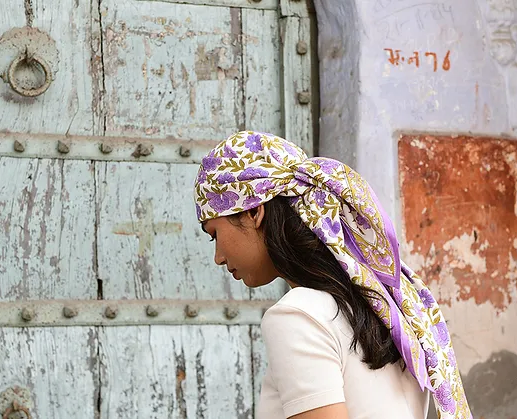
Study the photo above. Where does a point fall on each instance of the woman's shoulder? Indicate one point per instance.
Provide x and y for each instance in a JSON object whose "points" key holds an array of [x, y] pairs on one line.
{"points": [[318, 305]]}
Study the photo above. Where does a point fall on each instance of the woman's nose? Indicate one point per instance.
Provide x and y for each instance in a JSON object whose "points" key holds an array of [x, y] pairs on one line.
{"points": [[219, 258]]}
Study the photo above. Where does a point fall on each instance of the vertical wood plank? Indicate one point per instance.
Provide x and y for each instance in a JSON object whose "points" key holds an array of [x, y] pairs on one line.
{"points": [[177, 372], [297, 82], [69, 97], [48, 229], [299, 8], [259, 360], [172, 69], [59, 366], [150, 242], [261, 56]]}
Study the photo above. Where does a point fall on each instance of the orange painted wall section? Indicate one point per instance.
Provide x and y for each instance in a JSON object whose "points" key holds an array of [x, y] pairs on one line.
{"points": [[459, 211]]}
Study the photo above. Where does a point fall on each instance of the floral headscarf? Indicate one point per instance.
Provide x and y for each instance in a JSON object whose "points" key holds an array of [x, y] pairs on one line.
{"points": [[249, 169]]}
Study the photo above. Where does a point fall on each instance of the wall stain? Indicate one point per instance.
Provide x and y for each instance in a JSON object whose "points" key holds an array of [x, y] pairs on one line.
{"points": [[491, 387], [460, 213]]}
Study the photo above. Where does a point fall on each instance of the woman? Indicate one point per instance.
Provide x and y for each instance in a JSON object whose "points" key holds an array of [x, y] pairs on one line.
{"points": [[358, 336]]}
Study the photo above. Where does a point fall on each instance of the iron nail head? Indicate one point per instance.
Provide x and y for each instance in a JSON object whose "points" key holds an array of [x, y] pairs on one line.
{"points": [[69, 312], [111, 312], [18, 146], [191, 311], [152, 311], [105, 148], [231, 312], [302, 48], [63, 147], [27, 314], [184, 152], [304, 98], [143, 150]]}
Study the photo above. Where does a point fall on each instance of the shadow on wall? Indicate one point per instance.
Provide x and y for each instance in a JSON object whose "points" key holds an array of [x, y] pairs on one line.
{"points": [[491, 388]]}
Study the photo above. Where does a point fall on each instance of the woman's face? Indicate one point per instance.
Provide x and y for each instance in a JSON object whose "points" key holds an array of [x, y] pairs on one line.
{"points": [[239, 244]]}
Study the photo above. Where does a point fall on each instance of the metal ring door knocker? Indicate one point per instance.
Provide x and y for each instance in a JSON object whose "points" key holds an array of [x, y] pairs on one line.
{"points": [[16, 403], [30, 60], [16, 408]]}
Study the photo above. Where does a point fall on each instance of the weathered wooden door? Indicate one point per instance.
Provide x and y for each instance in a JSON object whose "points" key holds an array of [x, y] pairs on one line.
{"points": [[111, 306]]}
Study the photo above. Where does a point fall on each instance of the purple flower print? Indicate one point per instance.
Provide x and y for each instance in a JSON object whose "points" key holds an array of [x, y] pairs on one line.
{"points": [[344, 266], [222, 202], [252, 173], [397, 296], [290, 150], [253, 143], [225, 178], [320, 234], [426, 297], [320, 197], [376, 304], [251, 202], [201, 176], [363, 222], [228, 152], [385, 260], [431, 359], [276, 156], [294, 200], [332, 227], [210, 162], [327, 165], [370, 211], [444, 396], [263, 187], [441, 334], [335, 186], [452, 358], [198, 211]]}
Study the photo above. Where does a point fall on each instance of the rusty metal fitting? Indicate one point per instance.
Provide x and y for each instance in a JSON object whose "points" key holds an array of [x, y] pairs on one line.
{"points": [[184, 152], [27, 314], [142, 150], [111, 312], [152, 311], [69, 312], [191, 311], [14, 412], [302, 48], [105, 148], [304, 98], [18, 146], [63, 147], [231, 312], [29, 58]]}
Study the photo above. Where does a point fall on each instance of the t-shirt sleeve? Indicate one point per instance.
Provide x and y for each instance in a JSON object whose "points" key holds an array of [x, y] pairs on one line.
{"points": [[304, 360]]}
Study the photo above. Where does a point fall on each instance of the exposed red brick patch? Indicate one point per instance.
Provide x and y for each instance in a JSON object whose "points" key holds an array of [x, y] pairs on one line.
{"points": [[459, 212]]}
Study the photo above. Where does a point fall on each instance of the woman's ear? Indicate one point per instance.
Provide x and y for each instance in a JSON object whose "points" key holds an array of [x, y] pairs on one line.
{"points": [[257, 216]]}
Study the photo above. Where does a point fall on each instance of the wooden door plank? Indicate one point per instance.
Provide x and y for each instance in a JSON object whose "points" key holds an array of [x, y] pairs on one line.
{"points": [[261, 56], [246, 4], [48, 229], [59, 366], [150, 243], [172, 69], [66, 107], [176, 372], [297, 82]]}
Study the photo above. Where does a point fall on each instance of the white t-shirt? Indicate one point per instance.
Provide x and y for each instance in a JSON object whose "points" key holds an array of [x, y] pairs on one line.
{"points": [[310, 365]]}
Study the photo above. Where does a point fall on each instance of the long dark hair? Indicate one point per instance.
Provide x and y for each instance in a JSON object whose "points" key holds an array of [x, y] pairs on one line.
{"points": [[299, 256]]}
